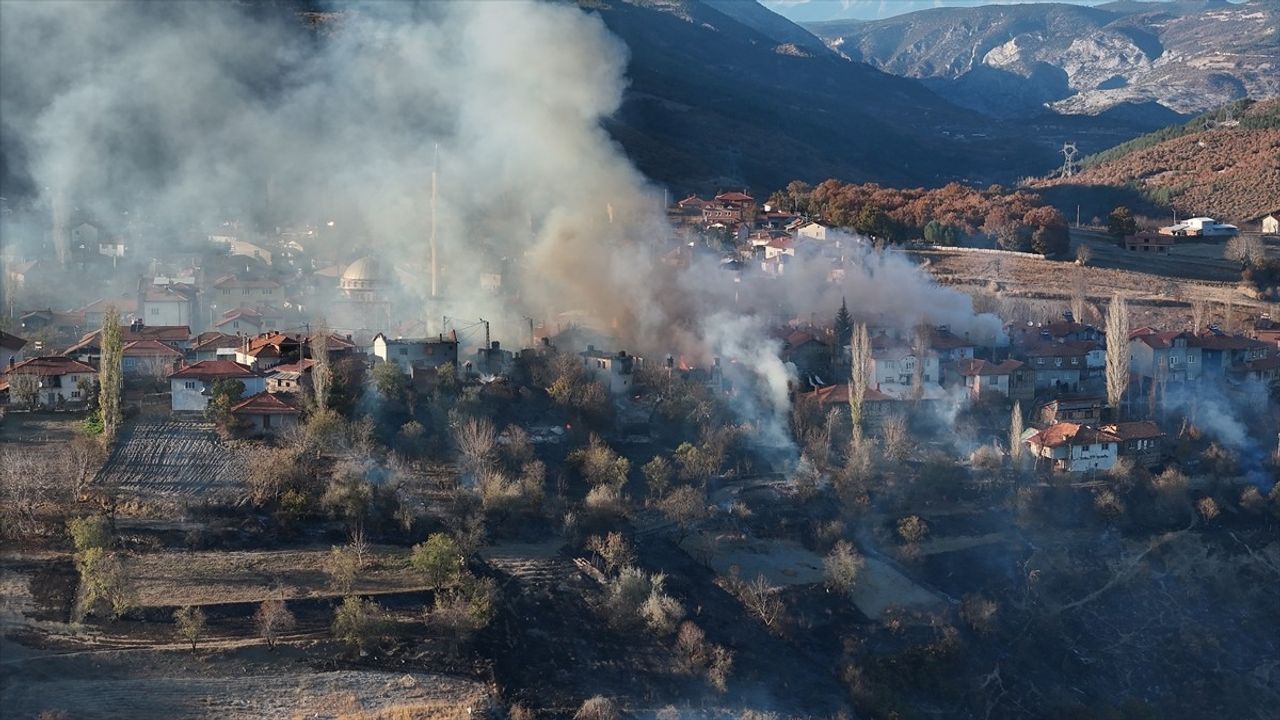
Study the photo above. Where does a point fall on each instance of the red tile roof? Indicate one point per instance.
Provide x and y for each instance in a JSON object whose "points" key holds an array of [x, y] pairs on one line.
{"points": [[1071, 349], [231, 282], [1140, 430], [1066, 433], [265, 404], [214, 370], [734, 197], [971, 368], [52, 365], [215, 340], [149, 348], [837, 394]]}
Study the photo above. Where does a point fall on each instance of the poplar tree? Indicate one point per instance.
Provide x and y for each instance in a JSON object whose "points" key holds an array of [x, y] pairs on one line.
{"points": [[1117, 352], [110, 372]]}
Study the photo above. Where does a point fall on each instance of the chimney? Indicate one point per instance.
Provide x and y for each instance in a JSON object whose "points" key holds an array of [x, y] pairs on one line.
{"points": [[496, 345], [591, 348]]}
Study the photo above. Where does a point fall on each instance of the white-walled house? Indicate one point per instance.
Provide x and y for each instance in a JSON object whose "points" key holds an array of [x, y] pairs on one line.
{"points": [[51, 381], [409, 353], [169, 305], [1075, 448], [617, 370], [893, 370], [813, 231], [191, 385]]}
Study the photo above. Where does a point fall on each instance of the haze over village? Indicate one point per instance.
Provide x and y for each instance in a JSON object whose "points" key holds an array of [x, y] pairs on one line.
{"points": [[638, 359]]}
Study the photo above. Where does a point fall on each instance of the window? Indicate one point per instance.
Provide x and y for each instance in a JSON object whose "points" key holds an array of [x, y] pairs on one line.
{"points": [[75, 393], [404, 351], [155, 311], [1173, 359], [1039, 361], [226, 291], [190, 385], [1191, 359], [1057, 362]]}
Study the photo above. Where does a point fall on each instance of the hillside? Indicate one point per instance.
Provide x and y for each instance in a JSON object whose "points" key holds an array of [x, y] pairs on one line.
{"points": [[1228, 172], [1014, 60], [714, 102]]}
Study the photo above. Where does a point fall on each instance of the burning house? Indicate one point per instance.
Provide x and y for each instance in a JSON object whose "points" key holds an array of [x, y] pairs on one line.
{"points": [[421, 353], [617, 370]]}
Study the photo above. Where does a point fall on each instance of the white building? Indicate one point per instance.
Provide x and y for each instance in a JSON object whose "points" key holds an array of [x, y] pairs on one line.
{"points": [[893, 370], [1200, 227], [46, 381], [1271, 225], [617, 370], [813, 231], [409, 353], [192, 385], [168, 305], [1075, 448]]}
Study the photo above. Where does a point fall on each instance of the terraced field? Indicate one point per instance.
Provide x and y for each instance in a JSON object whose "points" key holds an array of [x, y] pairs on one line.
{"points": [[174, 459]]}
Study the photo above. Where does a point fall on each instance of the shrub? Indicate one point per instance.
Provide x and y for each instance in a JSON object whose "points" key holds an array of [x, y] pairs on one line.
{"points": [[598, 708], [93, 531], [272, 619], [439, 559], [359, 623], [842, 567]]}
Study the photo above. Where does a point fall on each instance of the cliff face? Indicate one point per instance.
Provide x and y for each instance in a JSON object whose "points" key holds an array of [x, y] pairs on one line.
{"points": [[1016, 60]]}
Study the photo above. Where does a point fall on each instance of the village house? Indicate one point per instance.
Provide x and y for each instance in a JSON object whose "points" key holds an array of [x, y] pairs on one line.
{"points": [[949, 346], [10, 349], [1141, 441], [247, 292], [1220, 352], [1271, 224], [60, 324], [1065, 330], [191, 386], [1167, 357], [893, 371], [410, 353], [1263, 371], [214, 346], [89, 348], [168, 305], [1147, 241], [46, 381], [292, 377], [1072, 447], [814, 231], [1058, 366], [246, 319], [266, 414], [149, 358], [1083, 410], [493, 360], [1266, 330], [617, 370], [811, 356], [1010, 379], [268, 350], [876, 406], [94, 312]]}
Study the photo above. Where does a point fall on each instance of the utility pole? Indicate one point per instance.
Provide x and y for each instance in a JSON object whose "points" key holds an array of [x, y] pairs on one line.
{"points": [[1077, 217], [1069, 152], [486, 333]]}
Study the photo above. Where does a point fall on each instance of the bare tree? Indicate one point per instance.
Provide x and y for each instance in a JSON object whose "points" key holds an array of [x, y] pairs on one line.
{"points": [[1117, 352], [25, 389], [272, 619], [190, 624], [761, 598], [476, 439], [683, 506], [860, 372], [841, 567], [1245, 249], [1015, 433], [1079, 293], [1199, 309], [614, 551], [896, 436]]}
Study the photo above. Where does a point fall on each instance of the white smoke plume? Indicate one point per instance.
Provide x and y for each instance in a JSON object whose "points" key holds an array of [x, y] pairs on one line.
{"points": [[167, 118]]}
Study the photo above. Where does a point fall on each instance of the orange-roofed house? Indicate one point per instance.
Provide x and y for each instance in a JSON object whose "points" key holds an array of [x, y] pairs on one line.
{"points": [[266, 414], [149, 358], [50, 381], [1075, 448], [876, 406], [1142, 441], [983, 378], [191, 386], [268, 350]]}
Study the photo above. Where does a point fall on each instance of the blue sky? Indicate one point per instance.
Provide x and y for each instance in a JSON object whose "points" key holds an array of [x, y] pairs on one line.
{"points": [[813, 10]]}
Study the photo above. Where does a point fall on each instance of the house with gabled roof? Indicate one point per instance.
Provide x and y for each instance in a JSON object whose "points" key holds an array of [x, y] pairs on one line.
{"points": [[191, 386], [1141, 441], [266, 413], [1011, 379], [213, 345], [267, 350], [876, 406], [52, 381], [1072, 447], [149, 358], [10, 349]]}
